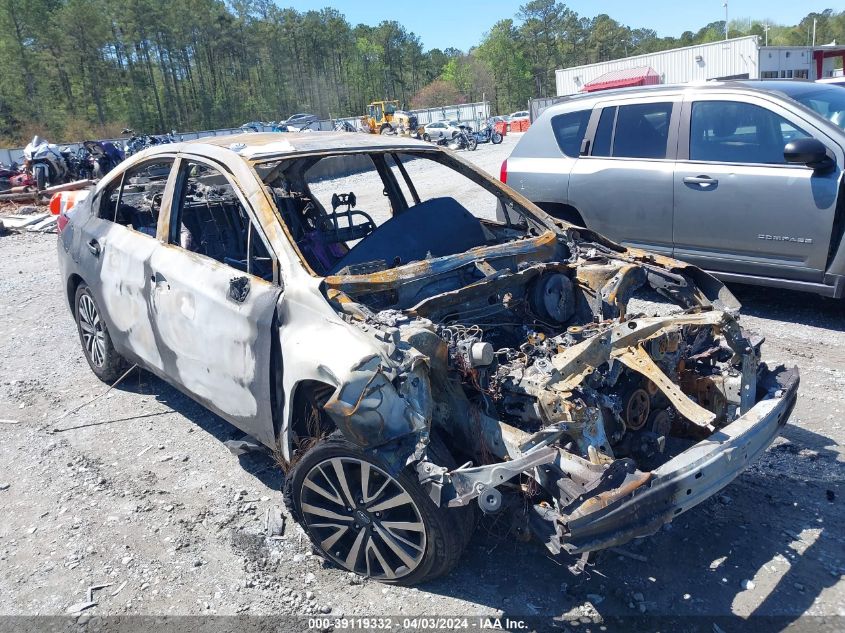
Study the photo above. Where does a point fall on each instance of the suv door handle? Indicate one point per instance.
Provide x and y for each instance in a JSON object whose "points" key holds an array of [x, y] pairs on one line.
{"points": [[94, 247], [702, 181]]}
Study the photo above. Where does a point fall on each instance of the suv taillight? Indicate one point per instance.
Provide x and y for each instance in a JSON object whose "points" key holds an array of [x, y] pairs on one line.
{"points": [[503, 171]]}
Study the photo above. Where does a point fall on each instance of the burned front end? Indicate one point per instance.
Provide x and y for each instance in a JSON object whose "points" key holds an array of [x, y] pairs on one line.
{"points": [[590, 423]]}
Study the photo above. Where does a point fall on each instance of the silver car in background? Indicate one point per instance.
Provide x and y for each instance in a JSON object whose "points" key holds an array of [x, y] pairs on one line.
{"points": [[439, 130], [740, 178]]}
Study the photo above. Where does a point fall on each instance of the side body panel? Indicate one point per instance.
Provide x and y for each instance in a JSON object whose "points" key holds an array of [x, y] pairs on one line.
{"points": [[119, 277], [755, 219], [629, 200], [216, 348]]}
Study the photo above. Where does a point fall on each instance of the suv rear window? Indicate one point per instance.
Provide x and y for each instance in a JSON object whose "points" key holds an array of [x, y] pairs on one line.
{"points": [[633, 131], [569, 131]]}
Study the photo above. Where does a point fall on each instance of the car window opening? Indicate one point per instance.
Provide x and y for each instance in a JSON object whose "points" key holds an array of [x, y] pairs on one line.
{"points": [[362, 213], [210, 220], [134, 201]]}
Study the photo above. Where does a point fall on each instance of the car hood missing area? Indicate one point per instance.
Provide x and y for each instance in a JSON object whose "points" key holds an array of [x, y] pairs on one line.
{"points": [[526, 359]]}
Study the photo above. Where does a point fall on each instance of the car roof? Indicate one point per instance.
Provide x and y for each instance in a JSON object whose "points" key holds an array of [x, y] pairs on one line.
{"points": [[748, 86], [263, 145]]}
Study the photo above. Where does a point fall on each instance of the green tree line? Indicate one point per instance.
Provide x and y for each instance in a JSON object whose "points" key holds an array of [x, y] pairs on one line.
{"points": [[78, 68], [73, 69]]}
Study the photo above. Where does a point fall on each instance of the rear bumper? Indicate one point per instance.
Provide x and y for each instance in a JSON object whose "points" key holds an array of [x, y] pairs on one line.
{"points": [[693, 476]]}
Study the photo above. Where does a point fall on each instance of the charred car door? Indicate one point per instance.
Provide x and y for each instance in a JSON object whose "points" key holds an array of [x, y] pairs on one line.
{"points": [[119, 239], [214, 298]]}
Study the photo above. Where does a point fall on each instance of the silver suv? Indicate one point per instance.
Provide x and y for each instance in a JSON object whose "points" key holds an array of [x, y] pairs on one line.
{"points": [[740, 178]]}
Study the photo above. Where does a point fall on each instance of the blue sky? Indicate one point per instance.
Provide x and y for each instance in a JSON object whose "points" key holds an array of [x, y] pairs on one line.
{"points": [[441, 24]]}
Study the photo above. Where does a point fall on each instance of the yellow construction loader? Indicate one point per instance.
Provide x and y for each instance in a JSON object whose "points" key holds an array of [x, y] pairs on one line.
{"points": [[385, 117]]}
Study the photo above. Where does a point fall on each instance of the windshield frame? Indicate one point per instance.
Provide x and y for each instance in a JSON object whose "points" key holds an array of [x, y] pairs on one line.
{"points": [[537, 221]]}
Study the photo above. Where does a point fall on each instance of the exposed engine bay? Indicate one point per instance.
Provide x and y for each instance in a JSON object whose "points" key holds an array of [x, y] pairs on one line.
{"points": [[561, 400]]}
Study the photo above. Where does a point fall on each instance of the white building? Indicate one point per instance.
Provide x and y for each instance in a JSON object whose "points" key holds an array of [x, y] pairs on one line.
{"points": [[738, 58]]}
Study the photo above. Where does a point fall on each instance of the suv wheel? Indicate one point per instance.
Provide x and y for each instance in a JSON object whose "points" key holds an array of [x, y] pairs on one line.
{"points": [[368, 521], [105, 362]]}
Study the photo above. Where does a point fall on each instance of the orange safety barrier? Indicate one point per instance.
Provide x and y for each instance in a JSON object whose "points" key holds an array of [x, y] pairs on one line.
{"points": [[64, 201], [501, 127]]}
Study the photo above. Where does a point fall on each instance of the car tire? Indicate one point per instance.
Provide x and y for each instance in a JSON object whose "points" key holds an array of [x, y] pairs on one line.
{"points": [[426, 137], [465, 517], [355, 536], [97, 345]]}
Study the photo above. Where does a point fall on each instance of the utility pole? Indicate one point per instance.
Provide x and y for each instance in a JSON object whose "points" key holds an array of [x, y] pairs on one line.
{"points": [[814, 31], [726, 19], [766, 28]]}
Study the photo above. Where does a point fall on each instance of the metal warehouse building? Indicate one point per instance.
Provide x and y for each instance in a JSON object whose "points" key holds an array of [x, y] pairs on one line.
{"points": [[739, 58]]}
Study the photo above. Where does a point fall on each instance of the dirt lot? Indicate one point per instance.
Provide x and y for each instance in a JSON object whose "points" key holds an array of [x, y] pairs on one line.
{"points": [[137, 490]]}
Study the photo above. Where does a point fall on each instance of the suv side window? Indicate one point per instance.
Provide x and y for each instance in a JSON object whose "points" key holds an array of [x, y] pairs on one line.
{"points": [[633, 131], [209, 219], [604, 133], [735, 132], [569, 131]]}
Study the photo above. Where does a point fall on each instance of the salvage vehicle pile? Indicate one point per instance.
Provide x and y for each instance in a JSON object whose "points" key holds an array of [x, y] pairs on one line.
{"points": [[378, 354]]}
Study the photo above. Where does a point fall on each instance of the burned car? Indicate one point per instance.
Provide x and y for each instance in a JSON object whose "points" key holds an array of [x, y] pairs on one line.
{"points": [[352, 303]]}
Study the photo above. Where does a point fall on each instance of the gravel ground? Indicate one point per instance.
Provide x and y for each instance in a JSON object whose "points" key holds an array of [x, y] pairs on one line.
{"points": [[137, 491]]}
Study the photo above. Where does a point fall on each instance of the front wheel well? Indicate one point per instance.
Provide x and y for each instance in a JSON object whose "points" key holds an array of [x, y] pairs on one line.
{"points": [[564, 212], [308, 421]]}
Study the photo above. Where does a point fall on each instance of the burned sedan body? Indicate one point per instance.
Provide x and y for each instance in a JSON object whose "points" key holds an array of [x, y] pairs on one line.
{"points": [[353, 303]]}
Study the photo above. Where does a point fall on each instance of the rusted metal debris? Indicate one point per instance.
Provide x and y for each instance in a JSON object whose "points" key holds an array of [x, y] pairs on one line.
{"points": [[24, 196], [29, 194]]}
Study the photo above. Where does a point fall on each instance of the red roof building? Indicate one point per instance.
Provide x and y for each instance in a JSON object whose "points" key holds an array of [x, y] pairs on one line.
{"points": [[627, 77]]}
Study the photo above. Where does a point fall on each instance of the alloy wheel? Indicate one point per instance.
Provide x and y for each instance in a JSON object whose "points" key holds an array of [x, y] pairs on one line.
{"points": [[362, 518], [93, 335]]}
